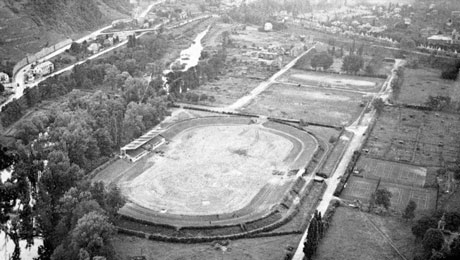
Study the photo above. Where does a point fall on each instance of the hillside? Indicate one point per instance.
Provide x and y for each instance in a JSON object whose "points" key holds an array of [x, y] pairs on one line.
{"points": [[26, 26]]}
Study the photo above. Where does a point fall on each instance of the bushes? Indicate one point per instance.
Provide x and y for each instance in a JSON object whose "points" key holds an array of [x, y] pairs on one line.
{"points": [[348, 171]]}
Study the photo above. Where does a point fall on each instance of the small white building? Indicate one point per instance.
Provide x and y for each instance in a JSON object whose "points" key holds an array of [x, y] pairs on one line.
{"points": [[4, 78], [268, 27], [43, 68], [94, 47]]}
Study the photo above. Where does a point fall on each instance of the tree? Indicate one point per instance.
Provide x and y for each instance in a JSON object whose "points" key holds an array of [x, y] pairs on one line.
{"points": [[352, 63], [407, 43], [454, 249], [422, 225], [382, 197], [379, 105], [433, 240], [322, 60], [409, 210], [92, 233]]}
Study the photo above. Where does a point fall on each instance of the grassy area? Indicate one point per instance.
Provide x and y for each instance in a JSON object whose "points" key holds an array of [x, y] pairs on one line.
{"points": [[345, 82], [421, 83], [269, 248], [352, 235], [318, 105]]}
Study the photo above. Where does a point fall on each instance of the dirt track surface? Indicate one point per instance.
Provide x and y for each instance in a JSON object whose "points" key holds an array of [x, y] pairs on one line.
{"points": [[211, 170], [211, 166]]}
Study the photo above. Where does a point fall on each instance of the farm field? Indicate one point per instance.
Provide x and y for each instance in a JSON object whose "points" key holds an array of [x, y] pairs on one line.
{"points": [[415, 137], [345, 82], [352, 235], [317, 105], [421, 83]]}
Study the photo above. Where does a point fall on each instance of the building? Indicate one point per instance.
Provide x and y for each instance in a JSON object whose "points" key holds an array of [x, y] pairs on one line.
{"points": [[94, 47], [268, 27], [43, 68], [4, 78], [440, 39]]}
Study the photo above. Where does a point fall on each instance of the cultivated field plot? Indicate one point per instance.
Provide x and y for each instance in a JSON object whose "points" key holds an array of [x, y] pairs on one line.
{"points": [[421, 83], [401, 194], [326, 106], [225, 166], [391, 172], [345, 82], [359, 189], [417, 137]]}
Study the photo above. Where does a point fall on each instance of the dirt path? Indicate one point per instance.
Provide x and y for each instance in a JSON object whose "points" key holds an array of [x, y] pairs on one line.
{"points": [[358, 128], [264, 85]]}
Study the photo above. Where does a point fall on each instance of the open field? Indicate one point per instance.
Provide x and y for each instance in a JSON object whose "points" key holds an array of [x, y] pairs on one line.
{"points": [[227, 90], [421, 83], [222, 167], [416, 137], [345, 82], [351, 235], [391, 172], [326, 106], [267, 248]]}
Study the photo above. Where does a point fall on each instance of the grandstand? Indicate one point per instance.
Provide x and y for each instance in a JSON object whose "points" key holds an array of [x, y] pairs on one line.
{"points": [[142, 145]]}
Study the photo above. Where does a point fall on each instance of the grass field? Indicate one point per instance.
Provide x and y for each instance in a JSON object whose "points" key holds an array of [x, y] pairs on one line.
{"points": [[352, 235], [416, 137], [421, 83], [346, 82], [326, 106]]}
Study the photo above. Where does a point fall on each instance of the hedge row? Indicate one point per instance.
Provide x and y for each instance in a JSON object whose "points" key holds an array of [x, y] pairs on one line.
{"points": [[213, 111], [348, 172]]}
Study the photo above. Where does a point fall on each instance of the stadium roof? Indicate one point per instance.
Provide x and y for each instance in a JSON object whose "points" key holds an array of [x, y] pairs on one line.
{"points": [[142, 140]]}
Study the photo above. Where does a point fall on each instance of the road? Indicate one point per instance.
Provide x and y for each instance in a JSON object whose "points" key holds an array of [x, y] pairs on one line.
{"points": [[358, 128], [18, 79], [264, 85]]}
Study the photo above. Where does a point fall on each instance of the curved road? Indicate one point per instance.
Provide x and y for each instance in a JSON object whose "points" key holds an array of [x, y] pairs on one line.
{"points": [[18, 79]]}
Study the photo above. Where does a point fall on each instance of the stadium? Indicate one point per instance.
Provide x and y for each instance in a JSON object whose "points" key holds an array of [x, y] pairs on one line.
{"points": [[228, 174]]}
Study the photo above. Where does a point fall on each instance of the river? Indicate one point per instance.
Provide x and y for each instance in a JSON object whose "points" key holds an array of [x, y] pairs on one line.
{"points": [[188, 58]]}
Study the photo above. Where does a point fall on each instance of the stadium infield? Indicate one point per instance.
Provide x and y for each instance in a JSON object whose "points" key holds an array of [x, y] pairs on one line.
{"points": [[213, 171]]}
